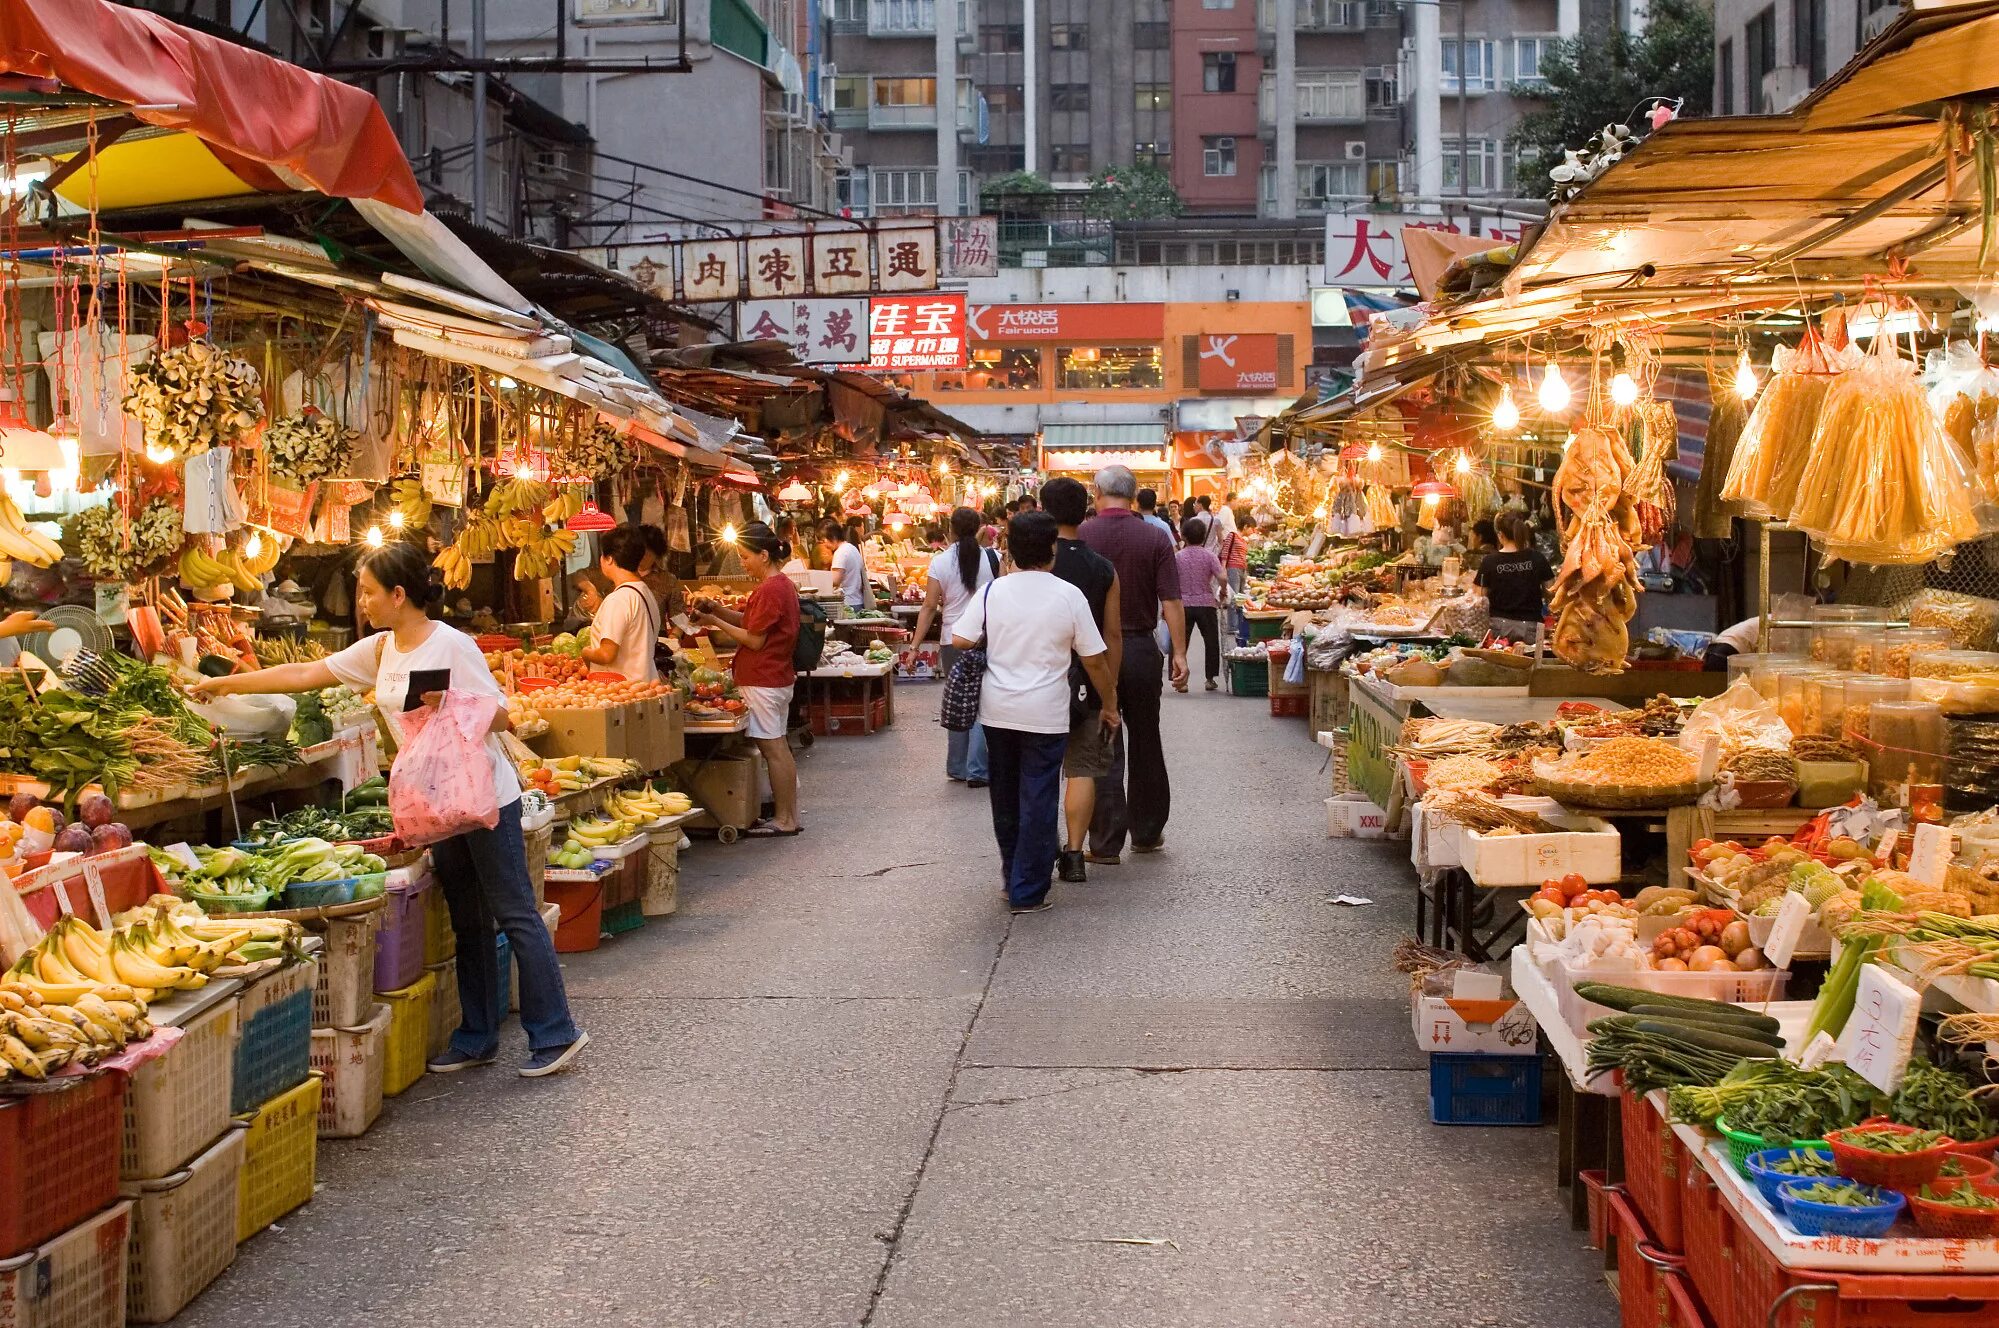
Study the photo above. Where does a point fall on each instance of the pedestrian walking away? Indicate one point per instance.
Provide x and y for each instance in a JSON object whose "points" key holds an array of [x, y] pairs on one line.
{"points": [[484, 873], [1233, 553], [1203, 588], [1136, 798], [1089, 756], [1032, 624], [957, 573]]}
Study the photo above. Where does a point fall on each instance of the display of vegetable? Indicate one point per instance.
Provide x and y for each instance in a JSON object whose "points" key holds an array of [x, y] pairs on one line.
{"points": [[1779, 1101], [1963, 1196], [1806, 1162], [1898, 1142], [1840, 1195], [1842, 984], [369, 822], [1933, 1098], [310, 726], [1692, 1046]]}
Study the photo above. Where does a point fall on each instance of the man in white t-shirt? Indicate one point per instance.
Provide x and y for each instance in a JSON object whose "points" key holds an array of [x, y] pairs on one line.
{"points": [[1034, 624], [626, 628], [847, 562]]}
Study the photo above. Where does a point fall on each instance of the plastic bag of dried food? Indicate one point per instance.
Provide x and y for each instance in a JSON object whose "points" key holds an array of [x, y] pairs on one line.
{"points": [[1740, 718], [1965, 396], [1776, 442], [1882, 483], [1972, 622]]}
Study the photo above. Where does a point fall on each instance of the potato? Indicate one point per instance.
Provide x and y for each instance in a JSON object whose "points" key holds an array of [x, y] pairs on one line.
{"points": [[1671, 966], [1751, 960]]}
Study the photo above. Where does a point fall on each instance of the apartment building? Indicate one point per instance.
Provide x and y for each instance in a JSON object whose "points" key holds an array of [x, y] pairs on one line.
{"points": [[1769, 53]]}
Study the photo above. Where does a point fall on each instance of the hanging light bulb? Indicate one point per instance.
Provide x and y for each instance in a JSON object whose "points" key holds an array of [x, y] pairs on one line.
{"points": [[1319, 512], [1506, 415], [373, 537], [1374, 451], [1623, 391], [254, 545], [943, 467], [1745, 376], [159, 453], [1554, 393], [840, 482], [1464, 464], [729, 533], [395, 518]]}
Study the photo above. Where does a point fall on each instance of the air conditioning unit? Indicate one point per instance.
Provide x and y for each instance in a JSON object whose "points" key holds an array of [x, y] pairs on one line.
{"points": [[1225, 143], [1357, 151], [1784, 87], [1225, 57]]}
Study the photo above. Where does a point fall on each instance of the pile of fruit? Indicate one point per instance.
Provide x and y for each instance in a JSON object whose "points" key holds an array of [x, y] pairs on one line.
{"points": [[527, 720], [557, 775], [582, 694], [33, 828], [646, 805], [623, 816], [551, 663], [711, 696], [1571, 892], [1712, 940]]}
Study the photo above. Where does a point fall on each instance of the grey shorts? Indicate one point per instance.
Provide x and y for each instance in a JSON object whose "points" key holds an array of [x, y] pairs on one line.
{"points": [[1089, 754]]}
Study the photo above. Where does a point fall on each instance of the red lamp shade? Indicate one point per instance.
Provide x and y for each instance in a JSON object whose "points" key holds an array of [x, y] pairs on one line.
{"points": [[590, 519], [1433, 489]]}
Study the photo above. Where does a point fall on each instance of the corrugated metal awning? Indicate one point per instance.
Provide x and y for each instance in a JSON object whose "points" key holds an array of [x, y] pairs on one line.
{"points": [[1096, 437]]}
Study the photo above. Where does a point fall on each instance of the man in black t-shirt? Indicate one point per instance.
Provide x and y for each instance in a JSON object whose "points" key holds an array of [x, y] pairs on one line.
{"points": [[1089, 754]]}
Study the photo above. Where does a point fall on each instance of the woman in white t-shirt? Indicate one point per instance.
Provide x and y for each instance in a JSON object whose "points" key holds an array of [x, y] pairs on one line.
{"points": [[483, 873], [625, 631], [957, 573], [1034, 624]]}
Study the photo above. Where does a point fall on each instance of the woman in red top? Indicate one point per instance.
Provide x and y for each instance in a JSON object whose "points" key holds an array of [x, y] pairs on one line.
{"points": [[765, 633]]}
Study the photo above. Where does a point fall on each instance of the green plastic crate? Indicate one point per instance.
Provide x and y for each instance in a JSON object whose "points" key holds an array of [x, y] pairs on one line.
{"points": [[1249, 677], [624, 918]]}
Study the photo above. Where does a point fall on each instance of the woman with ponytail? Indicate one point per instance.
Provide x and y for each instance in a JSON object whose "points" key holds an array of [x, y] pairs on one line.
{"points": [[958, 572]]}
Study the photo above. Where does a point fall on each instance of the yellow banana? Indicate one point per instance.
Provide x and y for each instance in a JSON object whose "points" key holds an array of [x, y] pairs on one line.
{"points": [[22, 1061], [83, 949], [141, 972]]}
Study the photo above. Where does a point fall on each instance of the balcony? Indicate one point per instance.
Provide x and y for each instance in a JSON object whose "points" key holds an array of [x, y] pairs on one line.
{"points": [[1315, 15], [902, 18], [1324, 96], [920, 116]]}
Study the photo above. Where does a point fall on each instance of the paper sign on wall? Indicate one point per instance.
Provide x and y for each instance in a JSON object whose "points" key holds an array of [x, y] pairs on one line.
{"points": [[1880, 1035]]}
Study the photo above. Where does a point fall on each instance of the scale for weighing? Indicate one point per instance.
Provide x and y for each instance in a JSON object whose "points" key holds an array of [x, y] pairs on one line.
{"points": [[76, 628]]}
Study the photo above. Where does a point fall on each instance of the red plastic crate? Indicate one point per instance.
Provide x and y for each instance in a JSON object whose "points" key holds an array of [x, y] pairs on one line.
{"points": [[1712, 1233], [1596, 1188], [1643, 1299], [59, 1159], [1683, 1307], [1290, 707], [1767, 1293], [1653, 1164], [847, 718]]}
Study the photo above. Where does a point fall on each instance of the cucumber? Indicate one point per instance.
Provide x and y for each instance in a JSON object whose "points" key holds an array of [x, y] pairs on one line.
{"points": [[1723, 1017], [1625, 998], [1772, 1040], [1707, 1039]]}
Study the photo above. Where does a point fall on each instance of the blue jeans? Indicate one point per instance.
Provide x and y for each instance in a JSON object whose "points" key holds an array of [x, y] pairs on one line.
{"points": [[1238, 625], [1027, 808], [964, 753], [484, 875]]}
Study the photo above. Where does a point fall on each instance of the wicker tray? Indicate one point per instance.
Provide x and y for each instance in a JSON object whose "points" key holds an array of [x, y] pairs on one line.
{"points": [[1618, 797]]}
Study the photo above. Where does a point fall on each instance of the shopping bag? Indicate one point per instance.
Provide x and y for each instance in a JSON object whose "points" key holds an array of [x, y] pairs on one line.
{"points": [[1294, 667], [442, 782]]}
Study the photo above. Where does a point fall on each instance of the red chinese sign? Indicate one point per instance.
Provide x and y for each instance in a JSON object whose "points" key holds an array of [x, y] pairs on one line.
{"points": [[1365, 248], [1230, 362], [1088, 324], [916, 333]]}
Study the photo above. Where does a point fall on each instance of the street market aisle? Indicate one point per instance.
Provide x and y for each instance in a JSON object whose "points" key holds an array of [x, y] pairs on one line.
{"points": [[843, 1086]]}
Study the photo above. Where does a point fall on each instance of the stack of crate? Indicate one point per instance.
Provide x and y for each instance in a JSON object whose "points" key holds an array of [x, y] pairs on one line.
{"points": [[276, 1094], [349, 1028]]}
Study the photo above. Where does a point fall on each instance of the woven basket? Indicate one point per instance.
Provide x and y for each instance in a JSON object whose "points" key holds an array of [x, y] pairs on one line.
{"points": [[1616, 797]]}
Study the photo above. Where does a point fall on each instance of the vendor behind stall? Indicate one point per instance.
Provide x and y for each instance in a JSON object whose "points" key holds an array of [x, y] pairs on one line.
{"points": [[626, 628], [765, 634], [1515, 579]]}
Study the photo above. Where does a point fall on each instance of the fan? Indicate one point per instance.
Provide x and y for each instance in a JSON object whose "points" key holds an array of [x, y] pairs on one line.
{"points": [[76, 628]]}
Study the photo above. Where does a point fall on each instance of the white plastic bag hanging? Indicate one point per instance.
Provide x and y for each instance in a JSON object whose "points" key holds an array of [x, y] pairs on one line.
{"points": [[1294, 664], [212, 504]]}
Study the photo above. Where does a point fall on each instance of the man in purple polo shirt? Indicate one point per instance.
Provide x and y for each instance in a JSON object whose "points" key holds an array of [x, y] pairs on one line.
{"points": [[1148, 587]]}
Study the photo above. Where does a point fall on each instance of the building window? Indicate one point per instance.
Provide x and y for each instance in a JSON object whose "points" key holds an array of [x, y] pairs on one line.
{"points": [[905, 191], [1759, 56], [1478, 64], [1086, 367], [1002, 38], [1725, 64], [1069, 97], [1482, 164], [850, 190], [1384, 179], [1528, 52], [1383, 92], [849, 13], [1321, 180], [1218, 4], [1068, 37], [848, 94], [1808, 37], [1218, 71], [1151, 36], [997, 369], [1157, 154], [1155, 96], [1073, 159], [1218, 155], [905, 92]]}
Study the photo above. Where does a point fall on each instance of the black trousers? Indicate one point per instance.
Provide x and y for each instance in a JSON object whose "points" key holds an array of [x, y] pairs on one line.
{"points": [[1134, 798], [1207, 621]]}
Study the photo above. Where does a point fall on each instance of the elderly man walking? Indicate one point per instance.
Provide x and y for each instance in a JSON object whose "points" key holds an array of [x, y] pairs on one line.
{"points": [[1135, 798]]}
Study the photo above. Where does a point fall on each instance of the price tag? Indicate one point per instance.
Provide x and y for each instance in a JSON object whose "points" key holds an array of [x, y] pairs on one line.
{"points": [[350, 763], [184, 854], [1885, 854], [1792, 915], [1880, 1035], [1930, 850], [1710, 759], [93, 881], [61, 886]]}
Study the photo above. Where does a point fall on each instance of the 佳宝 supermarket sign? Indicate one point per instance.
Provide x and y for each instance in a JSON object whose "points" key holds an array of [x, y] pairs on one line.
{"points": [[916, 333]]}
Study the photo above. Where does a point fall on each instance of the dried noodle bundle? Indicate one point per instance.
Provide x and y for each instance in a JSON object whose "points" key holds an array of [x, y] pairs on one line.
{"points": [[1770, 455]]}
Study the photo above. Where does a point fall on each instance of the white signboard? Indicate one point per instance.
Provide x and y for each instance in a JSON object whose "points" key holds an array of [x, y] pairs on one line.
{"points": [[1880, 1034], [1365, 248], [968, 247], [625, 11], [803, 258], [776, 265], [819, 331]]}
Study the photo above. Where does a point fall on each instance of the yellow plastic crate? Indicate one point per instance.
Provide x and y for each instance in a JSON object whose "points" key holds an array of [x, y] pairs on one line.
{"points": [[183, 1231], [280, 1158], [445, 1013], [440, 942], [409, 1033], [179, 1103]]}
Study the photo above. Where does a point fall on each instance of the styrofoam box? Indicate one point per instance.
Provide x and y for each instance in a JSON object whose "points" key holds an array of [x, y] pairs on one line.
{"points": [[1464, 1026], [1587, 847], [1354, 816], [1433, 844], [551, 914], [1754, 990]]}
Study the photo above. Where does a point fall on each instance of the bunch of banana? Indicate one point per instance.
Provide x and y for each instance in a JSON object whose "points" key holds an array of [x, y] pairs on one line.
{"points": [[568, 501], [456, 566], [269, 549], [75, 953], [410, 499], [39, 1036], [607, 767], [517, 495], [599, 831], [544, 555], [647, 805], [519, 532], [177, 930], [215, 575], [21, 542]]}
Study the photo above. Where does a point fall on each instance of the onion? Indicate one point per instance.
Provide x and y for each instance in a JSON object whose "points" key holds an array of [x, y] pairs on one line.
{"points": [[1671, 966], [1750, 960], [1708, 959], [1734, 937]]}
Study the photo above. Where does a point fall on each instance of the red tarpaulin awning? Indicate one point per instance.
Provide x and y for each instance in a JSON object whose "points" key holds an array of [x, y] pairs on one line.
{"points": [[276, 126]]}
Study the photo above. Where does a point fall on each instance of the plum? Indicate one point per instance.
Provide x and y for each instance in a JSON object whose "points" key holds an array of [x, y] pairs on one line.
{"points": [[20, 805], [111, 835], [72, 839], [94, 809]]}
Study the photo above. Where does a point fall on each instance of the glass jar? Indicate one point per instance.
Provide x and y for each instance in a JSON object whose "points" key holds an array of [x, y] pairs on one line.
{"points": [[1841, 647], [1962, 682], [1825, 702], [1831, 628], [1905, 756], [1762, 670], [1889, 651], [1863, 693], [1791, 703]]}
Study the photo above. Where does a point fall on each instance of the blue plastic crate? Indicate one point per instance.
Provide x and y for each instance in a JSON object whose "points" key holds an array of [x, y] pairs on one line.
{"points": [[274, 1053], [1470, 1089]]}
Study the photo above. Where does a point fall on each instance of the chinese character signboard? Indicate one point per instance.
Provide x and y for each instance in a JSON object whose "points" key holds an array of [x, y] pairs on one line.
{"points": [[1365, 249], [1099, 324], [840, 262], [1233, 363], [968, 247], [832, 258], [819, 331], [916, 333], [775, 264], [711, 270], [906, 258]]}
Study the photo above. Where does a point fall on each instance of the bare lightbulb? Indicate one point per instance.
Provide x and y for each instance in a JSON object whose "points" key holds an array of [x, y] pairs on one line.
{"points": [[1623, 391], [1554, 393], [1745, 377], [1506, 415]]}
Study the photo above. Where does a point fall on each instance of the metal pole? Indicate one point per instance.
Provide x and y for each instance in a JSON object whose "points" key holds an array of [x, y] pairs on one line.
{"points": [[479, 112], [1464, 115]]}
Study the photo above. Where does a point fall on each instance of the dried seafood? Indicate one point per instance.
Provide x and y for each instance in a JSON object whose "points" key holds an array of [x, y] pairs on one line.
{"points": [[1476, 811], [194, 396], [1818, 747], [1775, 443], [1757, 765], [1631, 762], [1463, 774], [1433, 738], [1596, 590]]}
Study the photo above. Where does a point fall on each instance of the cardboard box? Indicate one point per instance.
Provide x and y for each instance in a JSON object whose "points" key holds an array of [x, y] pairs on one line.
{"points": [[1354, 816], [725, 787], [657, 737], [596, 732], [1496, 1028]]}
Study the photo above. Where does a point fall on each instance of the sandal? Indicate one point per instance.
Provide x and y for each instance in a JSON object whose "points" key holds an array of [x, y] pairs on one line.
{"points": [[765, 830]]}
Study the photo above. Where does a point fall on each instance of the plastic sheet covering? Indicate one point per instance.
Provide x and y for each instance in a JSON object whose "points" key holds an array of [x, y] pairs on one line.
{"points": [[1966, 399], [1776, 443], [1883, 484]]}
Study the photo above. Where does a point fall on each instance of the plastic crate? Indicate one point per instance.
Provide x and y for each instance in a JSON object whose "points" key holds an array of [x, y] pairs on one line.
{"points": [[1596, 1190], [445, 1012], [74, 1280], [409, 1034], [1710, 1235], [183, 1231], [350, 1062], [1767, 1293], [179, 1102], [1683, 1307], [1644, 1299], [1654, 1161], [1289, 707], [58, 1159], [400, 936], [848, 719], [628, 916], [345, 990], [280, 1158], [440, 942], [1247, 677], [274, 1052], [1475, 1089]]}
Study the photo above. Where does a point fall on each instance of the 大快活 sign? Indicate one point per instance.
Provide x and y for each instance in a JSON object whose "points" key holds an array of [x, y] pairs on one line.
{"points": [[916, 333], [1237, 362], [1090, 324]]}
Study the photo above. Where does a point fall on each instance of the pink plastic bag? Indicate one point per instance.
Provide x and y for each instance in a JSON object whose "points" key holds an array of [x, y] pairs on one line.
{"points": [[442, 782]]}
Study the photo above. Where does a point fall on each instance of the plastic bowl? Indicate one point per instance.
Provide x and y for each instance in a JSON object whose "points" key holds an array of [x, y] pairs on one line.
{"points": [[320, 894], [1895, 1171], [1939, 1219], [1760, 1168], [1820, 1219], [254, 902], [1741, 1144], [1985, 1148]]}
